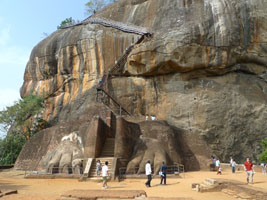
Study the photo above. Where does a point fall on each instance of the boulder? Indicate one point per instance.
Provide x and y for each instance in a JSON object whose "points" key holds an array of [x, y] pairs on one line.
{"points": [[203, 73]]}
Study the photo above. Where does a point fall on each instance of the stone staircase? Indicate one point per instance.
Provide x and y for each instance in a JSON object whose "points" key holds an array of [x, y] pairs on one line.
{"points": [[92, 173], [106, 155], [108, 149]]}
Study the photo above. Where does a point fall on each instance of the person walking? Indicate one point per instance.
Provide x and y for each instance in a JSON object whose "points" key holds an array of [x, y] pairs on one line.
{"points": [[233, 166], [218, 165], [231, 161], [263, 168], [98, 168], [163, 171], [248, 166], [148, 173], [105, 175]]}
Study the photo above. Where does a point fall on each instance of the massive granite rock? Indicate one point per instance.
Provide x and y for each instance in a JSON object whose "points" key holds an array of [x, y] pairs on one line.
{"points": [[204, 72]]}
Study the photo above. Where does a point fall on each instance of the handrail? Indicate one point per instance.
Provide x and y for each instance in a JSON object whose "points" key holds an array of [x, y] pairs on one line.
{"points": [[115, 101], [171, 169], [129, 28]]}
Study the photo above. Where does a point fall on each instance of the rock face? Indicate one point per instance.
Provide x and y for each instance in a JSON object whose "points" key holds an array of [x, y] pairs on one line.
{"points": [[204, 72]]}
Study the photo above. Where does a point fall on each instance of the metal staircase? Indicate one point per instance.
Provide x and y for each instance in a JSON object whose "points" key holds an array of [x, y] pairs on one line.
{"points": [[102, 93], [125, 27]]}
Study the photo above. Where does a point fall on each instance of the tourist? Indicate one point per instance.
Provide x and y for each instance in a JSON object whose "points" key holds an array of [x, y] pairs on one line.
{"points": [[219, 171], [265, 168], [233, 166], [146, 118], [105, 175], [163, 171], [248, 167], [148, 173], [98, 168], [213, 161], [218, 165], [153, 118], [231, 161]]}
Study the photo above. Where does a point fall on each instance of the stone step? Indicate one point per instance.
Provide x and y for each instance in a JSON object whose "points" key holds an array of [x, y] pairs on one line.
{"points": [[92, 172], [210, 181]]}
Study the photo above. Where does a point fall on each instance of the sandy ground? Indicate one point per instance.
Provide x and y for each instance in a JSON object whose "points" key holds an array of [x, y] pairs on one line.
{"points": [[51, 189]]}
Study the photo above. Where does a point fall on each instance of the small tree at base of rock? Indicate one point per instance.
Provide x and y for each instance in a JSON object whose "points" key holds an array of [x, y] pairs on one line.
{"points": [[263, 155], [19, 122]]}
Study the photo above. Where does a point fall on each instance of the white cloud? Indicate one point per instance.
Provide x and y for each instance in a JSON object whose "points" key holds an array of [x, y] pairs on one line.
{"points": [[8, 97]]}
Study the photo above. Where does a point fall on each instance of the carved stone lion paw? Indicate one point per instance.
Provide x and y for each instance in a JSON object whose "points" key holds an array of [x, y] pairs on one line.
{"points": [[66, 157], [157, 143]]}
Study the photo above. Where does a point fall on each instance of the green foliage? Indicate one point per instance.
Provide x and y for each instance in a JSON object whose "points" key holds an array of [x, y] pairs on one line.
{"points": [[66, 22], [96, 5], [14, 117], [19, 122], [263, 155], [10, 148]]}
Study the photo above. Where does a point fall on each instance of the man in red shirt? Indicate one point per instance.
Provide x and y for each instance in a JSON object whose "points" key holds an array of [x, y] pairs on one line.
{"points": [[249, 169]]}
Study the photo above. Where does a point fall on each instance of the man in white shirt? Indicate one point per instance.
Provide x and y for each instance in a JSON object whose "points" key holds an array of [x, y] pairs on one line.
{"points": [[148, 173], [105, 175]]}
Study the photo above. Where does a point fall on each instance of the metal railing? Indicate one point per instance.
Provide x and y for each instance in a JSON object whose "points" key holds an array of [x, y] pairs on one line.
{"points": [[125, 27], [129, 28], [171, 169], [55, 170]]}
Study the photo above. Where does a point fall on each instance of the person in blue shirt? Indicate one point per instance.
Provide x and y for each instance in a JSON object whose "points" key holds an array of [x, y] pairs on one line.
{"points": [[163, 170]]}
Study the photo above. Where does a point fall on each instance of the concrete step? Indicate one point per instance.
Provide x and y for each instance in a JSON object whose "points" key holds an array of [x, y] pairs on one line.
{"points": [[210, 181], [93, 168]]}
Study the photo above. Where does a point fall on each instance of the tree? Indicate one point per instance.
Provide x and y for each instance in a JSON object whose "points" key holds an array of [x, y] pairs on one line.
{"points": [[263, 155], [10, 148], [66, 22], [97, 5], [19, 122], [22, 117]]}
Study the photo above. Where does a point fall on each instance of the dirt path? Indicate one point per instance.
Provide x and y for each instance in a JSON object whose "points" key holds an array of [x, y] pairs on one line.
{"points": [[50, 189]]}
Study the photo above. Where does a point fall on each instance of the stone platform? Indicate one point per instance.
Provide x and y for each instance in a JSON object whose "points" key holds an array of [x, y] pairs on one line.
{"points": [[103, 194], [110, 194]]}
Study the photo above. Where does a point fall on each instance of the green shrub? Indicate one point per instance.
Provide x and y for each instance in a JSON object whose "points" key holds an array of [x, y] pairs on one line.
{"points": [[263, 155], [19, 122]]}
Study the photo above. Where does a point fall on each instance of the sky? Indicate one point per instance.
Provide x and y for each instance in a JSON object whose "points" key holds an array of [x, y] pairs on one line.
{"points": [[22, 26]]}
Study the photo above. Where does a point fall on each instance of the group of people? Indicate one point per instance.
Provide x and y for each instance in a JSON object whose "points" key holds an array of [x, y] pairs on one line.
{"points": [[248, 167], [152, 117], [104, 171], [148, 170], [162, 173], [216, 164]]}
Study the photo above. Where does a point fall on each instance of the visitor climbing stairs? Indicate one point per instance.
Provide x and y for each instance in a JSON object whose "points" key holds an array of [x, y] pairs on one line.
{"points": [[107, 154]]}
